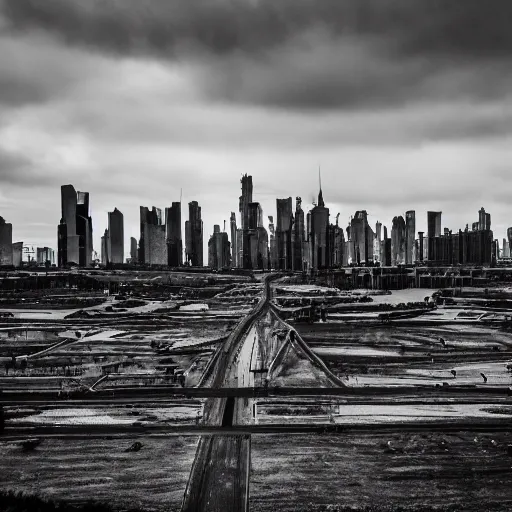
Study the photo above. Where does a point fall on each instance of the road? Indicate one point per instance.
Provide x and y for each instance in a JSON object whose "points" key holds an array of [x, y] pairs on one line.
{"points": [[219, 479]]}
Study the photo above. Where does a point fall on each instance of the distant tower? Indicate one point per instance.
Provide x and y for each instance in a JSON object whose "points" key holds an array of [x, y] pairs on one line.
{"points": [[116, 236], [194, 235]]}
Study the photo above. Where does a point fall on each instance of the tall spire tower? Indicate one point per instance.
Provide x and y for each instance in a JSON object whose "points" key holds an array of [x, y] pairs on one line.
{"points": [[320, 195]]}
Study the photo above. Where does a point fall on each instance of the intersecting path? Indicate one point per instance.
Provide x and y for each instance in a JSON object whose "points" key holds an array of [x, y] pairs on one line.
{"points": [[219, 479]]}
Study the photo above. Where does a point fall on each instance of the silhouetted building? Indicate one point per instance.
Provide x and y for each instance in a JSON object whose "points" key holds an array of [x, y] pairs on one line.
{"points": [[134, 257], [336, 244], [5, 243], [421, 246], [194, 235], [153, 244], [385, 251], [234, 235], [410, 237], [105, 256], [219, 249], [398, 241], [433, 231], [68, 239], [284, 233], [116, 236], [361, 239], [505, 253], [318, 228], [17, 254], [273, 242], [299, 252], [84, 229], [173, 232], [45, 256], [244, 202], [377, 243], [257, 239]]}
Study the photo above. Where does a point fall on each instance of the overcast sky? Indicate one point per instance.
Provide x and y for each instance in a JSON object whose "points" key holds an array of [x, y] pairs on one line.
{"points": [[405, 104]]}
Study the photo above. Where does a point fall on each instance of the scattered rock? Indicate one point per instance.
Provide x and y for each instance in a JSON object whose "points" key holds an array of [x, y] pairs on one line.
{"points": [[135, 447]]}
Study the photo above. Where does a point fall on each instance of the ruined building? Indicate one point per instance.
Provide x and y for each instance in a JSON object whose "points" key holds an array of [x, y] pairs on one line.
{"points": [[6, 257], [256, 237], [410, 237], [17, 255], [433, 234], [336, 244], [75, 229], [377, 243], [219, 249], [152, 243], [105, 257], [398, 241], [194, 236], [385, 250], [115, 241], [284, 234], [173, 235], [361, 239]]}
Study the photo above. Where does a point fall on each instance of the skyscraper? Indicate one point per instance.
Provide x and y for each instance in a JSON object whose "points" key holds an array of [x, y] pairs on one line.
{"points": [[361, 238], [152, 245], [173, 233], [398, 241], [284, 233], [433, 231], [410, 236], [84, 229], [298, 236], [234, 235], [5, 243], [244, 201], [133, 250], [194, 235], [219, 249], [116, 236], [17, 254], [273, 242], [318, 235], [105, 245]]}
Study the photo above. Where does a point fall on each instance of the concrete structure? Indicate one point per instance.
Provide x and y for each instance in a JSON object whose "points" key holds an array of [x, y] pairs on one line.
{"points": [[68, 239], [377, 243], [194, 236], [318, 229], [84, 229], [398, 241], [115, 239], [299, 238], [105, 256], [244, 202], [256, 238], [133, 250], [433, 231], [234, 234], [17, 254], [385, 250], [421, 246], [153, 244], [273, 243], [219, 249], [336, 244], [45, 256], [410, 237], [361, 239], [5, 243], [505, 253], [173, 233], [284, 233]]}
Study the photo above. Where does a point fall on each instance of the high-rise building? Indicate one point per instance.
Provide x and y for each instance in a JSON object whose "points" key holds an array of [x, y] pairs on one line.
{"points": [[361, 238], [116, 236], [105, 256], [5, 243], [505, 253], [234, 233], [68, 239], [153, 244], [45, 256], [219, 249], [336, 244], [377, 242], [17, 254], [244, 202], [433, 231], [318, 226], [84, 229], [298, 237], [194, 236], [174, 238], [256, 237], [410, 237], [284, 233], [398, 241], [273, 242], [134, 257]]}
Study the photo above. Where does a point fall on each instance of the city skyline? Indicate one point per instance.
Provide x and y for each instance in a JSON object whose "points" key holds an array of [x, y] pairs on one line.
{"points": [[396, 122]]}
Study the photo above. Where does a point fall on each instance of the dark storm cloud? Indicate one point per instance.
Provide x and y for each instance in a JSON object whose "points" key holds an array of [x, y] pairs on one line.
{"points": [[300, 53]]}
